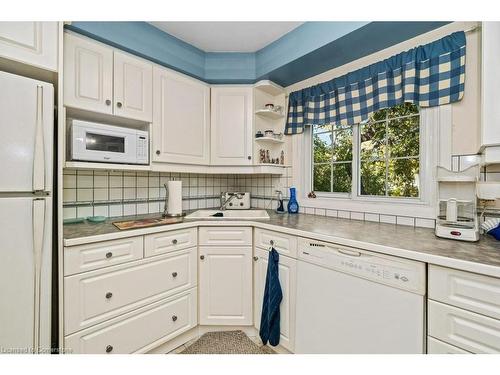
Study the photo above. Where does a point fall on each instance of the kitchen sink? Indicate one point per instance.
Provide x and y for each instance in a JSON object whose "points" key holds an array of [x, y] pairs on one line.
{"points": [[228, 214]]}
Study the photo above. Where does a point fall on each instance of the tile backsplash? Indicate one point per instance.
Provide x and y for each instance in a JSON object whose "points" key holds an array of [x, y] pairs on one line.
{"points": [[123, 193]]}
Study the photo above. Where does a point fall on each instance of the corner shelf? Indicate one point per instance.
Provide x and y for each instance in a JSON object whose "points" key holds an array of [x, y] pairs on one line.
{"points": [[269, 87], [269, 114], [269, 140]]}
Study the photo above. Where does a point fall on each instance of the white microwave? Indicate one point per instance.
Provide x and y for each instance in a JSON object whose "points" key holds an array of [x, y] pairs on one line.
{"points": [[90, 141]]}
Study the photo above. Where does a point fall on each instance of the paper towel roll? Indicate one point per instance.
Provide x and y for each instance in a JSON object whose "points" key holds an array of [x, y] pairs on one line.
{"points": [[174, 201]]}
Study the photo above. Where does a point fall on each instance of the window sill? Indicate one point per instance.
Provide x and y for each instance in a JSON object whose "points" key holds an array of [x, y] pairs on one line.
{"points": [[384, 200]]}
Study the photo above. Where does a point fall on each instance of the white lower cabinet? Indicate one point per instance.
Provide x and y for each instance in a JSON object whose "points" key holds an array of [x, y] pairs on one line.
{"points": [[463, 310], [435, 346], [95, 296], [225, 285], [467, 330], [140, 330], [288, 278]]}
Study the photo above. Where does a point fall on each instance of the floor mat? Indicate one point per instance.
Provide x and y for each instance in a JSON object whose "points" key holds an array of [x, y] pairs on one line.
{"points": [[227, 342]]}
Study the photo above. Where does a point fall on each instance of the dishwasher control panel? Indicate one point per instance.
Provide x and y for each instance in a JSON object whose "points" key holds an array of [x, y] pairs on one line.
{"points": [[398, 272]]}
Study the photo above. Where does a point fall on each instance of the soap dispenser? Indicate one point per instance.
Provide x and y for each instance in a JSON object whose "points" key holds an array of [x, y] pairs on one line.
{"points": [[280, 209], [293, 205]]}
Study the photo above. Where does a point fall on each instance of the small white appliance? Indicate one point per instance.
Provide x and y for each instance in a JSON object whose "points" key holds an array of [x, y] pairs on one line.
{"points": [[237, 200], [90, 141], [359, 302], [457, 217], [26, 157]]}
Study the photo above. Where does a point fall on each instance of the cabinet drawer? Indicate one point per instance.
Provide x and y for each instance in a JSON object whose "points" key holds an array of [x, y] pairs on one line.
{"points": [[435, 346], [160, 243], [467, 330], [141, 330], [93, 256], [470, 291], [225, 236], [93, 297], [284, 244]]}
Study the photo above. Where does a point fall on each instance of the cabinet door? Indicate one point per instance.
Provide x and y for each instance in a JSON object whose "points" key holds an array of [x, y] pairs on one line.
{"points": [[33, 43], [133, 87], [225, 285], [231, 125], [181, 119], [490, 83], [288, 276], [88, 75]]}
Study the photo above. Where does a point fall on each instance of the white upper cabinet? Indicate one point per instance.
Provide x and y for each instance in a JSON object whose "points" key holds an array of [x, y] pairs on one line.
{"points": [[490, 86], [32, 43], [100, 79], [133, 87], [88, 75], [231, 125], [181, 119]]}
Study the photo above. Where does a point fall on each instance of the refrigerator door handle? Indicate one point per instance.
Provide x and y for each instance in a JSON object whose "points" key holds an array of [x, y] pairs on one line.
{"points": [[38, 239], [39, 152]]}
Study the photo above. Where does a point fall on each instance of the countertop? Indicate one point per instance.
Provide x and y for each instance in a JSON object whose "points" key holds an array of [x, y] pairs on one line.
{"points": [[413, 243]]}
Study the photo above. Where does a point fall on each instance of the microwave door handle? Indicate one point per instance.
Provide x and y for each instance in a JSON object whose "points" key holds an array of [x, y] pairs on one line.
{"points": [[38, 230], [39, 152]]}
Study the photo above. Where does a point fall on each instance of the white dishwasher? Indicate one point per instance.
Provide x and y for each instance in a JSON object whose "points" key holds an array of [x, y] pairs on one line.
{"points": [[356, 301]]}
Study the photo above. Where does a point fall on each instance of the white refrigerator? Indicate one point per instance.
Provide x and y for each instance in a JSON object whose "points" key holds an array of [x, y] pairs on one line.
{"points": [[26, 165]]}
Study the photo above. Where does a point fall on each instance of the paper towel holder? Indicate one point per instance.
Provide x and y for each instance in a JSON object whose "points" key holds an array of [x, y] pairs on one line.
{"points": [[165, 209]]}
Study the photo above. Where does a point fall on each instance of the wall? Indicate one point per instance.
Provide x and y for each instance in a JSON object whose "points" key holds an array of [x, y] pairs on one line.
{"points": [[465, 114], [462, 139], [117, 193]]}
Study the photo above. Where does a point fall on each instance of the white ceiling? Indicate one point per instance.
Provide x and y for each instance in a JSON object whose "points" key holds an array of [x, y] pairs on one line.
{"points": [[227, 36]]}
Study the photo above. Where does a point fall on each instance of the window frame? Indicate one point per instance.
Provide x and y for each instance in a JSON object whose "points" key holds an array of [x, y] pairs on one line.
{"points": [[355, 193]]}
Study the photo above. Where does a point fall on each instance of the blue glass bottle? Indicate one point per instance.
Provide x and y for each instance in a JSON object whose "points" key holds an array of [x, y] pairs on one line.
{"points": [[293, 205]]}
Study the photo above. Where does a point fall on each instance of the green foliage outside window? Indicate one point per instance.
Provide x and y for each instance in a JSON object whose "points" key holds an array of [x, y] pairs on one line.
{"points": [[389, 151]]}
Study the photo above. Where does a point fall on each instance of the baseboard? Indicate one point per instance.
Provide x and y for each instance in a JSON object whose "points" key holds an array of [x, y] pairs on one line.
{"points": [[248, 330], [176, 342]]}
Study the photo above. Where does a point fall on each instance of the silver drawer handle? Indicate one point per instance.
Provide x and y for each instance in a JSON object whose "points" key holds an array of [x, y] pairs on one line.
{"points": [[109, 295], [174, 317], [109, 254], [109, 348]]}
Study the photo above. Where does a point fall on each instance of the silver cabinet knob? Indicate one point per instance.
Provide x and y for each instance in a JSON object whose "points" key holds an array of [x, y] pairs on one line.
{"points": [[174, 241], [109, 254], [158, 152], [108, 102], [109, 295], [256, 258], [174, 274], [174, 317], [202, 257], [119, 104], [109, 348]]}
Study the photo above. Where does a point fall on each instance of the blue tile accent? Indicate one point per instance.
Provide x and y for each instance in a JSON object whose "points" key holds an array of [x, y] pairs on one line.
{"points": [[308, 50]]}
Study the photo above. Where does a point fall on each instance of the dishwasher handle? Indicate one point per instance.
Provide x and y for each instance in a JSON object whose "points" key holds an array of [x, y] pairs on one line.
{"points": [[350, 253]]}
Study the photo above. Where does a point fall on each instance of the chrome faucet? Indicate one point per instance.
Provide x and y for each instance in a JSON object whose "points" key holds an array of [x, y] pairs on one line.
{"points": [[224, 202]]}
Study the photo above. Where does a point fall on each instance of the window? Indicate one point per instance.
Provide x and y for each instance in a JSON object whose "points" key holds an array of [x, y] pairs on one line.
{"points": [[385, 157]]}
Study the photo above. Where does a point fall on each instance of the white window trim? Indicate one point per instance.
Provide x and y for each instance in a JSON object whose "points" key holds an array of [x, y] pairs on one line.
{"points": [[435, 143]]}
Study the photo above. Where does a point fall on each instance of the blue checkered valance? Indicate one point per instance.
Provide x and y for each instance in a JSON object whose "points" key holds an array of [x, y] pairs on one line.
{"points": [[428, 75]]}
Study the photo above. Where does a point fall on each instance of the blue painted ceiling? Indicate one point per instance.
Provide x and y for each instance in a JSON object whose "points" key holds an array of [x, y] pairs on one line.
{"points": [[308, 50]]}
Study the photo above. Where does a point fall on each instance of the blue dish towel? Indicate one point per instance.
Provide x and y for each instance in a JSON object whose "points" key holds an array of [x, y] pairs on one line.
{"points": [[270, 319]]}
